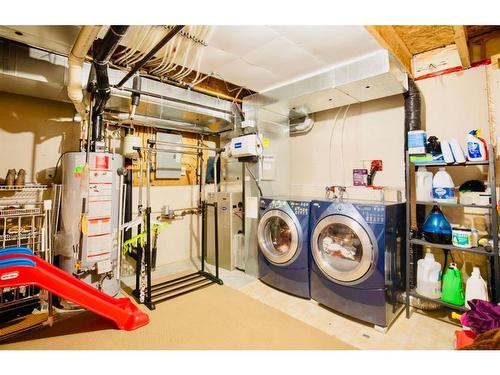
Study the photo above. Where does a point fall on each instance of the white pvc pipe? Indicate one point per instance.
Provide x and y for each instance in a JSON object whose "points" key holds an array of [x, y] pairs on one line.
{"points": [[76, 59]]}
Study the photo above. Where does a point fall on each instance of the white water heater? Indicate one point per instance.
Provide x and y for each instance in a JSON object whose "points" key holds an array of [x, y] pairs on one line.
{"points": [[88, 249]]}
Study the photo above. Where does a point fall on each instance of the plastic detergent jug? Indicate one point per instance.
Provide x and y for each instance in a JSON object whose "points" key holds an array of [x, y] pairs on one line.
{"points": [[424, 185], [476, 287], [476, 146], [453, 290], [436, 227], [443, 189], [429, 277]]}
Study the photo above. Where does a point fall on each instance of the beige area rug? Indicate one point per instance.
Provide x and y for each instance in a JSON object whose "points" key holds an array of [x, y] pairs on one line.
{"points": [[216, 317]]}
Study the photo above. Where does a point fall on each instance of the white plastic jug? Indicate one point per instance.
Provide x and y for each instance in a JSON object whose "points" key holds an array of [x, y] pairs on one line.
{"points": [[429, 277], [476, 287], [443, 189], [423, 179]]}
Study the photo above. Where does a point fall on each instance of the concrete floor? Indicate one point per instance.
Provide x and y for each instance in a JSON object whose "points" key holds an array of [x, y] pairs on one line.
{"points": [[419, 332]]}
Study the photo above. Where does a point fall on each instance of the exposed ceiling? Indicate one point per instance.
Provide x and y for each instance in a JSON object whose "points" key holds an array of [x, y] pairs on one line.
{"points": [[263, 57], [473, 43], [257, 57], [425, 38]]}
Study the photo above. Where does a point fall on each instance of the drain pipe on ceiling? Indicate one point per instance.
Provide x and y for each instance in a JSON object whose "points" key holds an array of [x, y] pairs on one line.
{"points": [[101, 59], [76, 59]]}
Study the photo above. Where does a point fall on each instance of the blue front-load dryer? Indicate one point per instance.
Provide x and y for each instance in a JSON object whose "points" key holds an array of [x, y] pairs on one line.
{"points": [[283, 240], [357, 257]]}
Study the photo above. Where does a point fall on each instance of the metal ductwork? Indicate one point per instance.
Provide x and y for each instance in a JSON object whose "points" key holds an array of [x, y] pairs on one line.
{"points": [[168, 107], [370, 77], [300, 122], [29, 71], [33, 72]]}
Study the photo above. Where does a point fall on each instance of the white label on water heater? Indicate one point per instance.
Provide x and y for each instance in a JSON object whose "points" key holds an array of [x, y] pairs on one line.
{"points": [[104, 266]]}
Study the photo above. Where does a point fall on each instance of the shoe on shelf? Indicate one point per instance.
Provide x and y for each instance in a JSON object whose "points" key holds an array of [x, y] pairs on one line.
{"points": [[11, 177], [21, 178]]}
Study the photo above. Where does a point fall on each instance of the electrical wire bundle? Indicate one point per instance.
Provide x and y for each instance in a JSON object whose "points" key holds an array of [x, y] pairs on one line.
{"points": [[181, 55]]}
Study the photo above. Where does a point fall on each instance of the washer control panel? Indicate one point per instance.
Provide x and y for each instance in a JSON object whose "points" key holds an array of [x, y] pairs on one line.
{"points": [[373, 214], [300, 208]]}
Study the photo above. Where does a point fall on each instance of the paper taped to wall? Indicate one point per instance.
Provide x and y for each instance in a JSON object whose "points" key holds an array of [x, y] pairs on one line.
{"points": [[251, 207]]}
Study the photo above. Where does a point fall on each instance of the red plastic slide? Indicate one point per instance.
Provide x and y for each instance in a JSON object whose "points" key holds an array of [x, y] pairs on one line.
{"points": [[22, 269]]}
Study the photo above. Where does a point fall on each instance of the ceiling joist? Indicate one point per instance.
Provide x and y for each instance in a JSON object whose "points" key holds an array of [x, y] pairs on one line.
{"points": [[460, 36], [390, 40]]}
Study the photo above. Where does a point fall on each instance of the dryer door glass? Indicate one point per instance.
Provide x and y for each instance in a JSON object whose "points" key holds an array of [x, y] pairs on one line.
{"points": [[342, 249], [278, 237]]}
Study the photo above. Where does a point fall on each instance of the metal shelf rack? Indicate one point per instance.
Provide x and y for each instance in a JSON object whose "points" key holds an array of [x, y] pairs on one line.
{"points": [[145, 291], [24, 222], [413, 243]]}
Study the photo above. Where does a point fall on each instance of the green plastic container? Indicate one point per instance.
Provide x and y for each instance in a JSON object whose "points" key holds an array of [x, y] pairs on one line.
{"points": [[453, 290]]}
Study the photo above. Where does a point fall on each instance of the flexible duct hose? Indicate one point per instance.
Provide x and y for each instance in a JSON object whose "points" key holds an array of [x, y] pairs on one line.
{"points": [[412, 107]]}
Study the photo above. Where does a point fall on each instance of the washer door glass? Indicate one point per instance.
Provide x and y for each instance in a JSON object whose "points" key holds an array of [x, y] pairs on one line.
{"points": [[278, 236], [342, 249]]}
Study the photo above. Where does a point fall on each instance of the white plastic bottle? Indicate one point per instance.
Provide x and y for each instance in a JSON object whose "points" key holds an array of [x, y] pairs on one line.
{"points": [[476, 287], [429, 277], [423, 179], [443, 189], [476, 149]]}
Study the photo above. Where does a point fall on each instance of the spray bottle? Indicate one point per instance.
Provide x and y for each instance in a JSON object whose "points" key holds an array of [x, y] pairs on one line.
{"points": [[476, 146]]}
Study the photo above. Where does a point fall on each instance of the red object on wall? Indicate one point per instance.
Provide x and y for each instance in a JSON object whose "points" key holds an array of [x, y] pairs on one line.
{"points": [[122, 311]]}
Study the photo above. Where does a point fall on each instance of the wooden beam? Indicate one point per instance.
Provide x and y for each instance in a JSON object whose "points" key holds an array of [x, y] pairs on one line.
{"points": [[460, 36], [388, 38]]}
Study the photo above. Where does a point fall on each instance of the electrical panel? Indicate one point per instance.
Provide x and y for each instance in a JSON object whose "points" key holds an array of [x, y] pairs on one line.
{"points": [[168, 165]]}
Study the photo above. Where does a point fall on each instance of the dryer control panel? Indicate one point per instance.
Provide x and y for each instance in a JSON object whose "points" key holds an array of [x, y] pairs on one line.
{"points": [[373, 214]]}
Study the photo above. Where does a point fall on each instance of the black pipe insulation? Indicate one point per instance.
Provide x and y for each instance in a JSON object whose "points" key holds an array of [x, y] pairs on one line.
{"points": [[136, 85], [101, 58], [128, 164], [412, 122], [412, 107]]}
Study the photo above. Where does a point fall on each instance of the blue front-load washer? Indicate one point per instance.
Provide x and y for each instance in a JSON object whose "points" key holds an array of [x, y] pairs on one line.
{"points": [[357, 257], [283, 240]]}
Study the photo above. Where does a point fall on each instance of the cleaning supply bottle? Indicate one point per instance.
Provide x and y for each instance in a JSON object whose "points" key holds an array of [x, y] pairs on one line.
{"points": [[453, 290], [429, 277], [423, 179], [443, 189], [476, 287], [476, 146], [436, 227]]}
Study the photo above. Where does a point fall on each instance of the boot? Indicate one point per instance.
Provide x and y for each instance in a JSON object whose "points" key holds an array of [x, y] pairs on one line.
{"points": [[21, 178], [11, 177]]}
